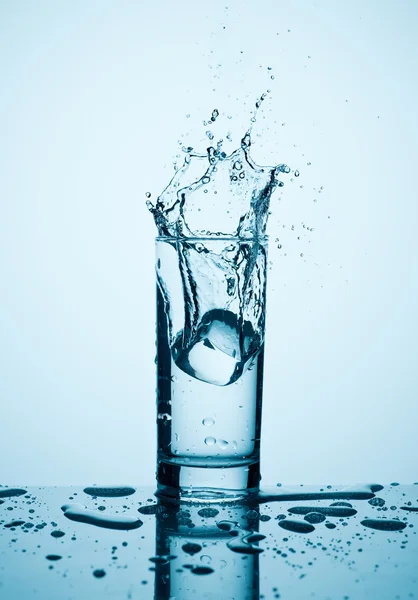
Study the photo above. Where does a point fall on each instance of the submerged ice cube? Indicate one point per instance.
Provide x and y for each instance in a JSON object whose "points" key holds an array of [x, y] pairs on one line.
{"points": [[219, 352]]}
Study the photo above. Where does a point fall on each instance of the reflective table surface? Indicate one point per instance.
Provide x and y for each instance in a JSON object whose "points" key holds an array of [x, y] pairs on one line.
{"points": [[290, 543]]}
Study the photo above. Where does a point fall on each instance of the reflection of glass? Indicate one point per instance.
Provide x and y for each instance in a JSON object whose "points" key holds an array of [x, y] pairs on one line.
{"points": [[197, 542], [210, 349]]}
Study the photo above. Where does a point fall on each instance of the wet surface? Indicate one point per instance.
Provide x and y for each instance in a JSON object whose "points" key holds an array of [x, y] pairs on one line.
{"points": [[290, 543]]}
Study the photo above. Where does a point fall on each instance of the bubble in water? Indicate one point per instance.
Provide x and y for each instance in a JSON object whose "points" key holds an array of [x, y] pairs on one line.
{"points": [[208, 512], [164, 417], [210, 441], [297, 173], [215, 114], [148, 194], [223, 444], [208, 422], [53, 557]]}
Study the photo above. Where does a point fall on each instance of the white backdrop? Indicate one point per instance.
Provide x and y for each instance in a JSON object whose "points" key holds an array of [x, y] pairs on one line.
{"points": [[94, 98]]}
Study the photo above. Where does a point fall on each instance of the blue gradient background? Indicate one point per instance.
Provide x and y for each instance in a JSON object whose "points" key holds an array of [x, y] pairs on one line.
{"points": [[93, 101]]}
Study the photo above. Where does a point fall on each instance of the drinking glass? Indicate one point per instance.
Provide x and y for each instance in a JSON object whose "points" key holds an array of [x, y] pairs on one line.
{"points": [[211, 304]]}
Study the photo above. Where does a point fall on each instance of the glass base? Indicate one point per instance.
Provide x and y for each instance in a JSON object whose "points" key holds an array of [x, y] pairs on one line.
{"points": [[207, 484]]}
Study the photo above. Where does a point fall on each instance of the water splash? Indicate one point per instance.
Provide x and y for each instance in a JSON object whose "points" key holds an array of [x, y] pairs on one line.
{"points": [[216, 197], [217, 194]]}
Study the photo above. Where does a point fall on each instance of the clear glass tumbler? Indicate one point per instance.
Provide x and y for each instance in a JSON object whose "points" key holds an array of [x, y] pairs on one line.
{"points": [[211, 302]]}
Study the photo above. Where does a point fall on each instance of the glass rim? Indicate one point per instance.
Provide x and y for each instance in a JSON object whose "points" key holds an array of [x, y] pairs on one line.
{"points": [[215, 238]]}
